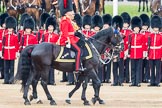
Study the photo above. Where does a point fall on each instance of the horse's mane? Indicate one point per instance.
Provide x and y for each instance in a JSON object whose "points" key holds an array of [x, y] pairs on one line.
{"points": [[106, 32]]}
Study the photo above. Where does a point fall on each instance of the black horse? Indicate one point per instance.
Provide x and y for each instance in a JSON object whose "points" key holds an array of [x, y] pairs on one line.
{"points": [[144, 1], [35, 62]]}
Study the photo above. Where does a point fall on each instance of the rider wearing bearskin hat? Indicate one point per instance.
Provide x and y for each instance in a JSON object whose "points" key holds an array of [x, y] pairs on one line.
{"points": [[117, 22], [2, 33], [136, 51], [146, 32], [126, 31], [68, 29], [10, 49], [155, 51], [28, 38]]}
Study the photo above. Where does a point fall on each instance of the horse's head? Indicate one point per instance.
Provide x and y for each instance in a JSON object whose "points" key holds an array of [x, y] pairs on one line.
{"points": [[156, 8]]}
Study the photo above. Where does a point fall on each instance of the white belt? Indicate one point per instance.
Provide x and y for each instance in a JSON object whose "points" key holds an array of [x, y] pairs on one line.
{"points": [[136, 46], [0, 41], [9, 47], [155, 47]]}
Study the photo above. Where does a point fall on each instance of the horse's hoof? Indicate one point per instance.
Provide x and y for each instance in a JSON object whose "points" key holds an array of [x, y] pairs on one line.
{"points": [[101, 102], [53, 102], [31, 98], [39, 102], [68, 101], [27, 103], [93, 100], [86, 103]]}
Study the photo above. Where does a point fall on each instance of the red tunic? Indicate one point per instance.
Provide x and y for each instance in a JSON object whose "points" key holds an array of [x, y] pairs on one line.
{"points": [[2, 33], [11, 46], [146, 34], [137, 42], [126, 33], [29, 39], [67, 30], [41, 32], [88, 34], [155, 46], [51, 38]]}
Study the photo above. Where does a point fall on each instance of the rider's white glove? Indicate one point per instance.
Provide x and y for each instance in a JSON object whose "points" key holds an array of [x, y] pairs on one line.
{"points": [[68, 45]]}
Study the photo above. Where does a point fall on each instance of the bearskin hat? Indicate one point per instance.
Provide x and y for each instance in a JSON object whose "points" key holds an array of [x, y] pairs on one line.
{"points": [[29, 23], [87, 20], [145, 19], [107, 19], [51, 21], [117, 21], [136, 22], [43, 18], [11, 22], [23, 17], [3, 17], [65, 6], [78, 20], [126, 17], [97, 21], [156, 22]]}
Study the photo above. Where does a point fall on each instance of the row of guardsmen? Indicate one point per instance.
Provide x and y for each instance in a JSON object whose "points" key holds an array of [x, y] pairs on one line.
{"points": [[142, 45]]}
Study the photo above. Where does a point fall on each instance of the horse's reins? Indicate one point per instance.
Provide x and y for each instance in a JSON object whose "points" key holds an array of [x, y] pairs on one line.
{"points": [[102, 61], [12, 6]]}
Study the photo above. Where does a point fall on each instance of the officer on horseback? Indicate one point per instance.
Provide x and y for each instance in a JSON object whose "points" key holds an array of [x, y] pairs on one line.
{"points": [[68, 29]]}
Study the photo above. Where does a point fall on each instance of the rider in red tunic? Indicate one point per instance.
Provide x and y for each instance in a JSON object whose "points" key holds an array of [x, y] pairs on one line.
{"points": [[68, 28]]}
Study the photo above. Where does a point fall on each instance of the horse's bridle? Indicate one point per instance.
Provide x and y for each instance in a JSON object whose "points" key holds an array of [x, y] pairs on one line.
{"points": [[109, 57]]}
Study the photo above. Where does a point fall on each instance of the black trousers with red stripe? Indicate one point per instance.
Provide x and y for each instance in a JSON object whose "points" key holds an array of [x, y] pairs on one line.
{"points": [[77, 49]]}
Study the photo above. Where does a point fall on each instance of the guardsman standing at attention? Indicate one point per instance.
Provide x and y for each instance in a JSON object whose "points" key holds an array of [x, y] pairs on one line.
{"points": [[155, 51], [107, 19], [126, 31], [11, 47], [2, 33], [28, 38], [21, 31], [67, 31], [87, 26], [50, 37], [136, 51], [145, 31], [118, 76], [97, 24], [42, 30]]}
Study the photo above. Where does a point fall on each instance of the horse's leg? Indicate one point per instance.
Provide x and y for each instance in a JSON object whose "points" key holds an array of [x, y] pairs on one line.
{"points": [[96, 86], [3, 6], [84, 85], [147, 5], [77, 86], [0, 5], [34, 86], [103, 2], [139, 7], [44, 81], [143, 5]]}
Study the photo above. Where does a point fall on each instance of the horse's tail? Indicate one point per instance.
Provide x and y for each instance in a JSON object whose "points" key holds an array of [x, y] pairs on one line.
{"points": [[24, 66]]}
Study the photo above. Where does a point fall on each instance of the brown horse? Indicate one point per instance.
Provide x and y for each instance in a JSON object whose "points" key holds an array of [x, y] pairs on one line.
{"points": [[11, 7], [88, 6], [32, 7], [156, 7]]}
